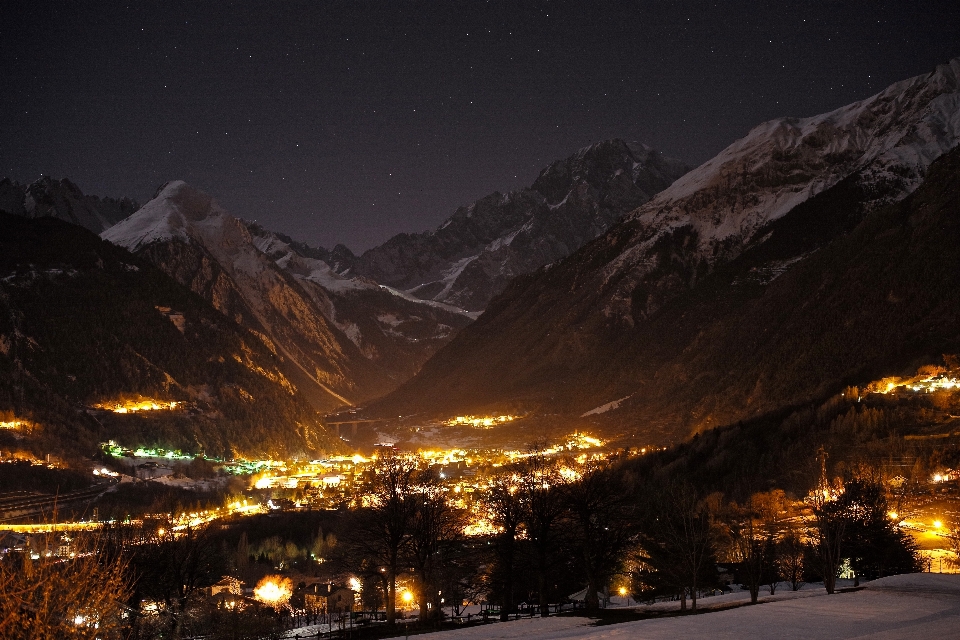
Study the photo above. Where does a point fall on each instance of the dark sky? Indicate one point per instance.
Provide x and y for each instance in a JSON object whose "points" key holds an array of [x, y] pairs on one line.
{"points": [[352, 121]]}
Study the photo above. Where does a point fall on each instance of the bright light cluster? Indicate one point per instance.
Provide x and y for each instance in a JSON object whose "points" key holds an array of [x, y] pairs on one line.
{"points": [[481, 528], [133, 406], [274, 591], [928, 384], [450, 456], [576, 441], [272, 482], [478, 422]]}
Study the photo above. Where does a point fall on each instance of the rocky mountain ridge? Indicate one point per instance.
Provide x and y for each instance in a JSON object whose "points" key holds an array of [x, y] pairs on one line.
{"points": [[888, 140], [341, 340], [474, 254], [595, 336], [63, 199]]}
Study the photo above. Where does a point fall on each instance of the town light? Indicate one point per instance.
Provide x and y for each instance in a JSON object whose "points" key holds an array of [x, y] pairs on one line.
{"points": [[273, 591], [937, 524], [623, 591], [407, 597]]}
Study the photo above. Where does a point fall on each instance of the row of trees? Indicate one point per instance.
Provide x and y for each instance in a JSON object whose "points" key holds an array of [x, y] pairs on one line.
{"points": [[551, 530]]}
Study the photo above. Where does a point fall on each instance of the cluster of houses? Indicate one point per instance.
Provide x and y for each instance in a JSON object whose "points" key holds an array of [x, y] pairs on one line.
{"points": [[317, 598]]}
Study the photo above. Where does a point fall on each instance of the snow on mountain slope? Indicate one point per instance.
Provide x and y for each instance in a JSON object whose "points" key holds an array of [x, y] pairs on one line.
{"points": [[304, 268], [387, 325], [323, 325], [474, 254], [889, 139], [630, 312], [163, 218]]}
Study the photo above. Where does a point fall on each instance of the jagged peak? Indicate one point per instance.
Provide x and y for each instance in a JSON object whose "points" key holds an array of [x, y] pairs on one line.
{"points": [[171, 213], [909, 123]]}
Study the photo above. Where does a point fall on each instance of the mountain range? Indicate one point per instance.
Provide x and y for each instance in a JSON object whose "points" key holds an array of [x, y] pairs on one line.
{"points": [[85, 326], [686, 314], [352, 329], [64, 200], [304, 312], [476, 252], [332, 336], [620, 292]]}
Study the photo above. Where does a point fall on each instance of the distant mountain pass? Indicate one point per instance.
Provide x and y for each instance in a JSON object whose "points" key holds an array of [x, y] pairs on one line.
{"points": [[474, 254]]}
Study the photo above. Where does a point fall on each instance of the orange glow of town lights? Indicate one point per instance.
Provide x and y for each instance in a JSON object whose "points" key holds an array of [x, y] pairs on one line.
{"points": [[937, 524], [407, 597], [273, 590], [133, 406]]}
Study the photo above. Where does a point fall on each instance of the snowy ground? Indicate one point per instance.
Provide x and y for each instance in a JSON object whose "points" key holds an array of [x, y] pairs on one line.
{"points": [[925, 606]]}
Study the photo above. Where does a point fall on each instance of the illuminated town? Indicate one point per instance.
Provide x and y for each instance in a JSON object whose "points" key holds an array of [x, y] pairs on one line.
{"points": [[362, 321]]}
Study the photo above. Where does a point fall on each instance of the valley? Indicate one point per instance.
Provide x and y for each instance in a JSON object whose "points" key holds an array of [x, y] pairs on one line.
{"points": [[629, 375]]}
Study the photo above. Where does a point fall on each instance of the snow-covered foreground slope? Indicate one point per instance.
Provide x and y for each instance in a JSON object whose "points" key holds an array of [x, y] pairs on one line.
{"points": [[922, 606]]}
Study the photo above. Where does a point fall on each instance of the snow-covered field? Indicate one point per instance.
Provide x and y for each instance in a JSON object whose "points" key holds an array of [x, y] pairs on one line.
{"points": [[922, 605]]}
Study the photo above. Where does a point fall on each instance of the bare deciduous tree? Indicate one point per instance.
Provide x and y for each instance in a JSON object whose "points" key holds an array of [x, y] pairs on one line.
{"points": [[604, 527], [385, 528], [435, 526], [507, 513], [49, 598], [678, 542]]}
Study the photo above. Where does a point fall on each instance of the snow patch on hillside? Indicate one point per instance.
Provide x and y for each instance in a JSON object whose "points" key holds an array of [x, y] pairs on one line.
{"points": [[887, 140], [908, 125], [610, 406], [432, 303], [163, 218]]}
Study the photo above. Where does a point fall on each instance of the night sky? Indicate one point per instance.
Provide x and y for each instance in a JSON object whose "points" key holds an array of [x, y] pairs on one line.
{"points": [[352, 121]]}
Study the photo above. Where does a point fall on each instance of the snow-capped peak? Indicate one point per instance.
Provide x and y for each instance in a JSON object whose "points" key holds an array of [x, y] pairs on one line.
{"points": [[172, 213], [907, 126]]}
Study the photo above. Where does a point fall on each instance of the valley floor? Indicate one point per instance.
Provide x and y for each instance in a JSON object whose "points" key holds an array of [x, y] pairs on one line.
{"points": [[911, 606]]}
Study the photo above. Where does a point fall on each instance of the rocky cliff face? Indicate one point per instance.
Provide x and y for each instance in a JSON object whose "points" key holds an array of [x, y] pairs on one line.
{"points": [[716, 211], [341, 340], [63, 200], [478, 250], [392, 329], [599, 335]]}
